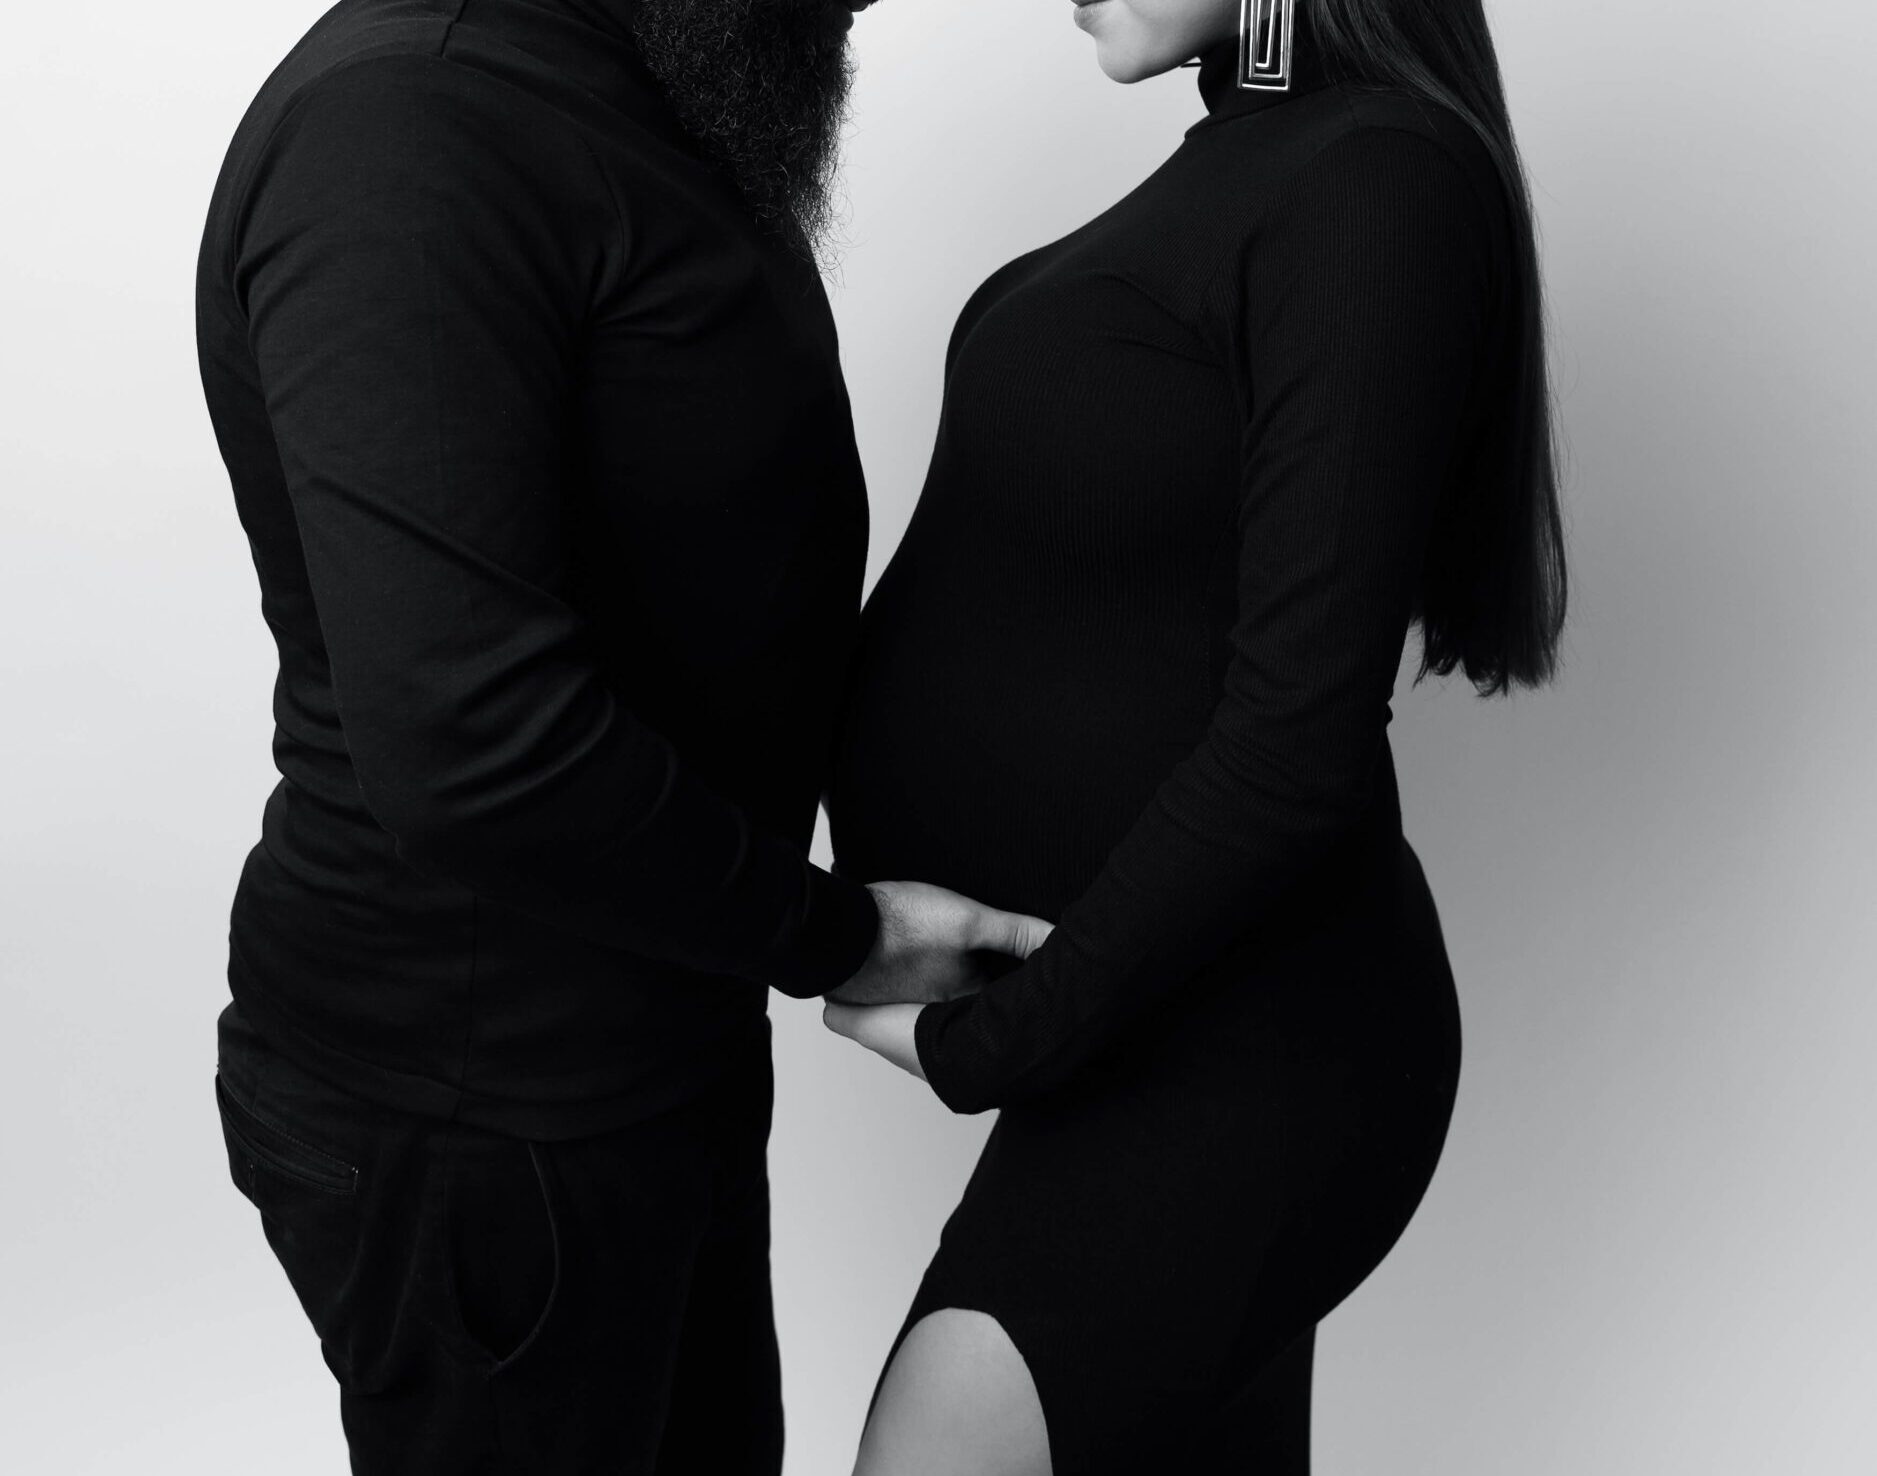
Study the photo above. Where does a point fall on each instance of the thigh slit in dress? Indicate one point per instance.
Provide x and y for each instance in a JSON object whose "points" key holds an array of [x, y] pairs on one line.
{"points": [[1130, 669]]}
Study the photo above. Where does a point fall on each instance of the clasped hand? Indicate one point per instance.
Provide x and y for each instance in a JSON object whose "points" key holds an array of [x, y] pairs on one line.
{"points": [[931, 947]]}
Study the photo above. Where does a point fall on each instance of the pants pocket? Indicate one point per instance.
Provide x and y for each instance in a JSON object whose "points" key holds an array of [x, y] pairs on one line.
{"points": [[308, 1199], [259, 1147], [504, 1245]]}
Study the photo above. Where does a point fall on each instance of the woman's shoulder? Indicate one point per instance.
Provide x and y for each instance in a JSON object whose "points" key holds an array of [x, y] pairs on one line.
{"points": [[1345, 134], [1384, 115], [1395, 146], [1358, 185], [1357, 168]]}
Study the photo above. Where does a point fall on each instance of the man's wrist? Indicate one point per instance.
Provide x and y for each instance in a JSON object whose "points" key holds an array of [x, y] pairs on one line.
{"points": [[840, 921]]}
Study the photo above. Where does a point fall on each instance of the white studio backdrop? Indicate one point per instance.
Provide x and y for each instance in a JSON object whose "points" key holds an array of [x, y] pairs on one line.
{"points": [[1648, 1247]]}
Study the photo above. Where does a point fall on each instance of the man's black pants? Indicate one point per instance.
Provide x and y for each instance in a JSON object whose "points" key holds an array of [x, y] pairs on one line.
{"points": [[491, 1305]]}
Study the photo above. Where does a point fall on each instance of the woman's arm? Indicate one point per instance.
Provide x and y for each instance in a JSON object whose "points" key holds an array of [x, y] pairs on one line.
{"points": [[1359, 314]]}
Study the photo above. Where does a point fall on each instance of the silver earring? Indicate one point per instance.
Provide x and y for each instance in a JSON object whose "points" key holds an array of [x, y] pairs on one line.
{"points": [[1264, 32]]}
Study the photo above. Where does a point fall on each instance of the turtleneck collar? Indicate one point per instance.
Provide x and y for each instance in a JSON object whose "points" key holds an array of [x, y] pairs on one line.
{"points": [[1218, 77]]}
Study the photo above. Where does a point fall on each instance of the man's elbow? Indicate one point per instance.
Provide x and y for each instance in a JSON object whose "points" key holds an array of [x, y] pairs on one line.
{"points": [[435, 833]]}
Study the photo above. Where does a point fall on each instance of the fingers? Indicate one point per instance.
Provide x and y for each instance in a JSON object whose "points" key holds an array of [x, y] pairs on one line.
{"points": [[1031, 933], [938, 916], [1015, 933], [890, 1031], [842, 1019]]}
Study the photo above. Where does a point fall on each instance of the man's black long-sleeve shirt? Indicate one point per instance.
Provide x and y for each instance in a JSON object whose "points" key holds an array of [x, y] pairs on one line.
{"points": [[546, 463]]}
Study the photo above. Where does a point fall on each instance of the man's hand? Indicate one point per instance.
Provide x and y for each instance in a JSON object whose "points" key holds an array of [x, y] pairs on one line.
{"points": [[931, 945]]}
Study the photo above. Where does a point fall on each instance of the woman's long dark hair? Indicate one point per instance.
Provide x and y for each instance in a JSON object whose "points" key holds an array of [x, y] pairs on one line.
{"points": [[1493, 596]]}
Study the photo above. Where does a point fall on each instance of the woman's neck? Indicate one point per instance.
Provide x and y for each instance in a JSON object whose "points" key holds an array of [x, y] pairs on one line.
{"points": [[1218, 74]]}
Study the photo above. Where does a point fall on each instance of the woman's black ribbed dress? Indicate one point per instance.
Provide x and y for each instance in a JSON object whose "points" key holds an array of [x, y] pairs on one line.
{"points": [[1130, 670]]}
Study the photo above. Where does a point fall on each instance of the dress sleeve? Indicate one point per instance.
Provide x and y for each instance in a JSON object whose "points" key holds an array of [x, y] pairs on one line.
{"points": [[1358, 313], [416, 271]]}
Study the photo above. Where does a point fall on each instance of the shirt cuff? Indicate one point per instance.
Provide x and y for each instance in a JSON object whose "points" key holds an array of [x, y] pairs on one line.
{"points": [[929, 1031], [840, 921]]}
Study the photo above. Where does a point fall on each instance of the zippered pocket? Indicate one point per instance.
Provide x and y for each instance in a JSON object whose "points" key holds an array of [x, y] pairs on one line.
{"points": [[256, 1144]]}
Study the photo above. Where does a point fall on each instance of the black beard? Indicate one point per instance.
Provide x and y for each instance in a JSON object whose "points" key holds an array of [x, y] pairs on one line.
{"points": [[762, 86]]}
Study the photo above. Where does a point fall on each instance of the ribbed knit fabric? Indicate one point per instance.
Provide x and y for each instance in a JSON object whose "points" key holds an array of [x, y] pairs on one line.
{"points": [[1131, 666]]}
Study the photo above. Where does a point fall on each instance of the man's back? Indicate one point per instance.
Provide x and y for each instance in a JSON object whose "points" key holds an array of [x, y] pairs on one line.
{"points": [[543, 453]]}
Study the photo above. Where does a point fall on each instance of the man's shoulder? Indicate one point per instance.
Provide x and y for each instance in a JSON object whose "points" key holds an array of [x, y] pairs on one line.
{"points": [[401, 35], [374, 95], [390, 69], [375, 78], [377, 124]]}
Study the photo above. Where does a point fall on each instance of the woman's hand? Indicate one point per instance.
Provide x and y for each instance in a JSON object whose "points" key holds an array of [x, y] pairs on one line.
{"points": [[886, 1030], [934, 944], [919, 960]]}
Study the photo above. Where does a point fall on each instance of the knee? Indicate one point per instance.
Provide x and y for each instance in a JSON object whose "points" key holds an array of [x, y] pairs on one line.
{"points": [[956, 1347], [957, 1398]]}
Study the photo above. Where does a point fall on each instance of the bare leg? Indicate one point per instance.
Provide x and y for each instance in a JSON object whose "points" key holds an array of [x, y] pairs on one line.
{"points": [[957, 1400]]}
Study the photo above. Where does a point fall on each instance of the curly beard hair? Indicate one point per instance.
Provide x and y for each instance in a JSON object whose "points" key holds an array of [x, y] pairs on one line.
{"points": [[762, 85]]}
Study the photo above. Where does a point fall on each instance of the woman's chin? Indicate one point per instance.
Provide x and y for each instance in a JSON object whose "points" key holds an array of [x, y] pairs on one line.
{"points": [[1116, 70], [1129, 68], [1123, 63]]}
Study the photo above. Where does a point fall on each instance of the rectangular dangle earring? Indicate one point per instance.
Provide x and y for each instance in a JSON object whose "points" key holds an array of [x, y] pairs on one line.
{"points": [[1264, 29]]}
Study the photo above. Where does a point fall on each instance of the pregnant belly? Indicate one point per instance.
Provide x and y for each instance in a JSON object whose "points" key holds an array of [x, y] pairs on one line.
{"points": [[1008, 780]]}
